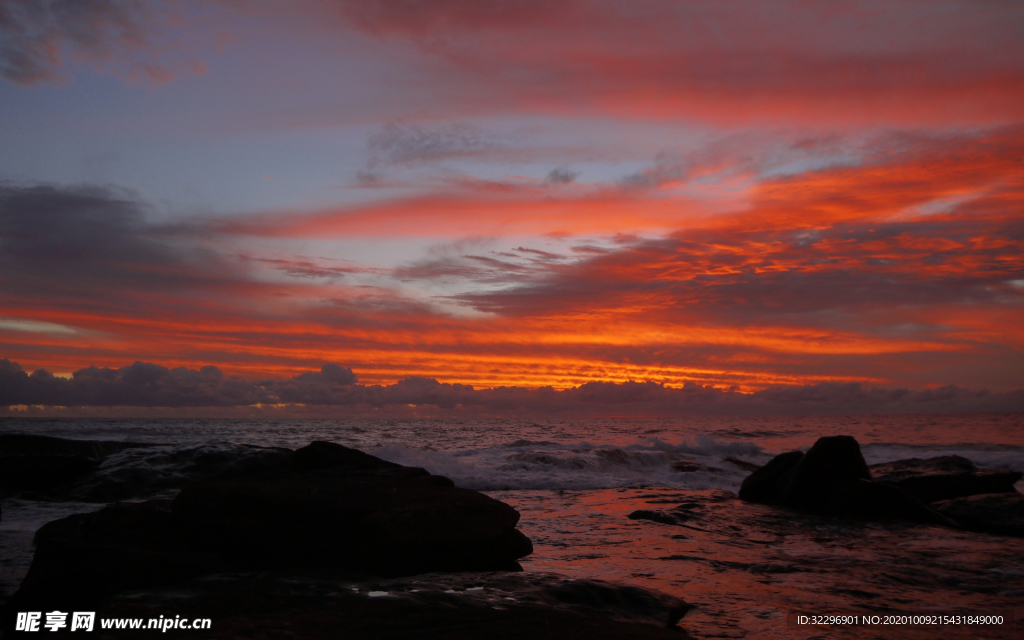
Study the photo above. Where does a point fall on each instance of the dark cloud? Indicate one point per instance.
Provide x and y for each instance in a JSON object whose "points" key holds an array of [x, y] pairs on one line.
{"points": [[545, 255], [37, 37], [145, 384], [561, 176], [300, 268], [150, 385], [93, 242], [410, 144], [666, 169], [524, 266], [420, 17]]}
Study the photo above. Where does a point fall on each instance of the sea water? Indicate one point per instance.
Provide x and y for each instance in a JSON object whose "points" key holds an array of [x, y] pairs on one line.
{"points": [[749, 568]]}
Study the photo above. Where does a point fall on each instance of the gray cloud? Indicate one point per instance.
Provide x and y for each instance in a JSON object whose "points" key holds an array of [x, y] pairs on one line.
{"points": [[37, 37], [150, 385], [145, 384], [86, 242], [561, 176], [418, 17], [405, 144]]}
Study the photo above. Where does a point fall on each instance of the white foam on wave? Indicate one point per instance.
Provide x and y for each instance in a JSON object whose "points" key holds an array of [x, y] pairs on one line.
{"points": [[537, 464], [525, 464]]}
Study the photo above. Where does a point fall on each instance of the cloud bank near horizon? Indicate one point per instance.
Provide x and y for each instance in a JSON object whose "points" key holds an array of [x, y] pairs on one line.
{"points": [[149, 385]]}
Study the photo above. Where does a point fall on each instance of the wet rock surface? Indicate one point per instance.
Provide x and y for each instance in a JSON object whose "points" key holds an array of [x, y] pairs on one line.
{"points": [[329, 508], [447, 606], [997, 513], [944, 478]]}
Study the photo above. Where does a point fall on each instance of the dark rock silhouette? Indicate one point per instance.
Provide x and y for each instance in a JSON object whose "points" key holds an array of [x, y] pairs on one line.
{"points": [[944, 478], [867, 500], [26, 444], [658, 516], [997, 513], [768, 484], [677, 613], [830, 463], [742, 464], [833, 478], [331, 508], [39, 472], [40, 463], [689, 466]]}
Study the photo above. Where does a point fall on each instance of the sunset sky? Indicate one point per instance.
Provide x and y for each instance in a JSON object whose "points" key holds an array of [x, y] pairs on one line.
{"points": [[734, 193]]}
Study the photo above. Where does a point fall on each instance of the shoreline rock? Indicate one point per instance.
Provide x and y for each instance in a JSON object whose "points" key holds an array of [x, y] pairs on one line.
{"points": [[944, 478], [41, 463], [331, 508], [832, 478], [28, 444]]}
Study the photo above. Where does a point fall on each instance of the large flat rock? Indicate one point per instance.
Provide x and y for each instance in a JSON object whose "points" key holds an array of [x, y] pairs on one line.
{"points": [[330, 508], [944, 478]]}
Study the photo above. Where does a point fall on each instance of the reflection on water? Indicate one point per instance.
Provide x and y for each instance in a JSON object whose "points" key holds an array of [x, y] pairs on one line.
{"points": [[747, 566]]}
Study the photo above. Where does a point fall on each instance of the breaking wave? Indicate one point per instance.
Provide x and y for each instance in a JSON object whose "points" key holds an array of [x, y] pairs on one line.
{"points": [[704, 463]]}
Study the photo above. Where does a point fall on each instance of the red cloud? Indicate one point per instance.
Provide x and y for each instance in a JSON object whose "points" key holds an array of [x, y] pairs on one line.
{"points": [[763, 61], [905, 269]]}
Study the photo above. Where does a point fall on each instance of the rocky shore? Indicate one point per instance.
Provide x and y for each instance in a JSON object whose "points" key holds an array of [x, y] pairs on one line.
{"points": [[327, 541], [832, 478], [301, 544]]}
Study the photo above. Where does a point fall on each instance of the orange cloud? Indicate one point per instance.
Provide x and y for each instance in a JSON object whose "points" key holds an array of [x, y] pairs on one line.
{"points": [[906, 269], [447, 215]]}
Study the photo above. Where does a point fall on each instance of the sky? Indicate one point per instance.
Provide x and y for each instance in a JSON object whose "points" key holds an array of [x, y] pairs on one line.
{"points": [[738, 196]]}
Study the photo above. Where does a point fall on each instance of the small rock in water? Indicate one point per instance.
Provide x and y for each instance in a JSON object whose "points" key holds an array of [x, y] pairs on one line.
{"points": [[688, 466], [742, 464], [657, 516]]}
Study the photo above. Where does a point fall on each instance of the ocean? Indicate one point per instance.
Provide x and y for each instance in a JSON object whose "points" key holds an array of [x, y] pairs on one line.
{"points": [[750, 569]]}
